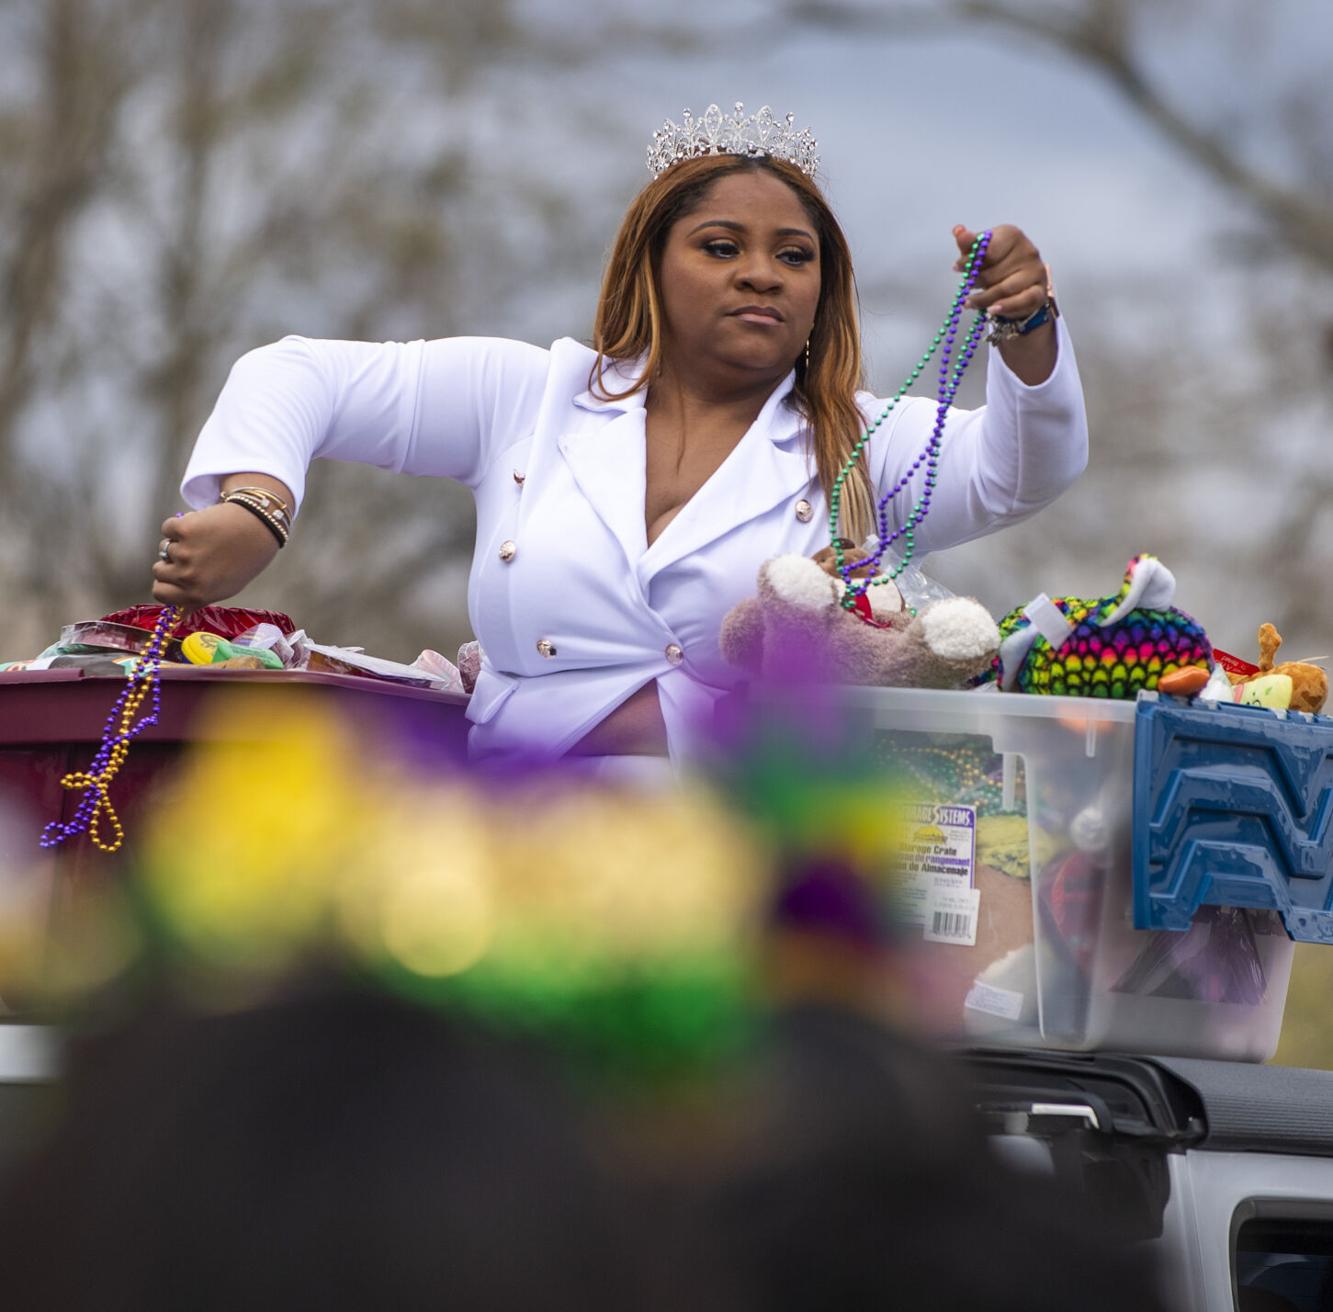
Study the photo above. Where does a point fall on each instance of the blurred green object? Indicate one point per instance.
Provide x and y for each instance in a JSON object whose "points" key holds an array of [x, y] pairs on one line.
{"points": [[1307, 1034], [620, 926]]}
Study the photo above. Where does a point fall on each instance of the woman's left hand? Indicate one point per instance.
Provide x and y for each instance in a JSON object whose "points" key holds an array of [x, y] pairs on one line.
{"points": [[1013, 283]]}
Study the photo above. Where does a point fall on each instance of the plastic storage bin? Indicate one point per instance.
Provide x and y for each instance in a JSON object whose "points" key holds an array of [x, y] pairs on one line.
{"points": [[1030, 939]]}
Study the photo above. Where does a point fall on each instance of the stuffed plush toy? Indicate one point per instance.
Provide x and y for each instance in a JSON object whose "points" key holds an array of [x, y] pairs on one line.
{"points": [[1293, 685], [797, 625], [1108, 647], [1309, 683]]}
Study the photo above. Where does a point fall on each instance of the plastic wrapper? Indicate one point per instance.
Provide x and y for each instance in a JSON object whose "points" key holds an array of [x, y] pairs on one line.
{"points": [[92, 636], [103, 662], [917, 588], [353, 660], [444, 673], [268, 637], [225, 621], [1218, 687], [469, 664], [209, 649]]}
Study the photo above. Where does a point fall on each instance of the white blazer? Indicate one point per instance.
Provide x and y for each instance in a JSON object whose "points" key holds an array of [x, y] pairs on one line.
{"points": [[573, 609]]}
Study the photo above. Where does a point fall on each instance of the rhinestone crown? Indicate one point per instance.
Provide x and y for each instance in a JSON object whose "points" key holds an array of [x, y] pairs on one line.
{"points": [[716, 134]]}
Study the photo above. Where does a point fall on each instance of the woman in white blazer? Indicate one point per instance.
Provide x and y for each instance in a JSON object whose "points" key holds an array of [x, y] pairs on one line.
{"points": [[628, 492]]}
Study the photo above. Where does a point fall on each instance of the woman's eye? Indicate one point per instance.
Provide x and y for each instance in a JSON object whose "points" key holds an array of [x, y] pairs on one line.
{"points": [[720, 248], [796, 256]]}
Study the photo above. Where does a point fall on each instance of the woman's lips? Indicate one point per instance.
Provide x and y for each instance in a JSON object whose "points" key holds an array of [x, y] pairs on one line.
{"points": [[768, 318]]}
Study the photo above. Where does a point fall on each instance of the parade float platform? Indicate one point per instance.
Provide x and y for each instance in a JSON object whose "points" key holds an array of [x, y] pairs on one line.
{"points": [[51, 723]]}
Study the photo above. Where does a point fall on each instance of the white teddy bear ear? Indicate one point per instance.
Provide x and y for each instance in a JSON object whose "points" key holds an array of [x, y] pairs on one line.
{"points": [[798, 581]]}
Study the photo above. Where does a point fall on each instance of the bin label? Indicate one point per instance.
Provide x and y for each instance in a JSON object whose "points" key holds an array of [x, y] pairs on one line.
{"points": [[951, 912], [939, 845], [994, 1001]]}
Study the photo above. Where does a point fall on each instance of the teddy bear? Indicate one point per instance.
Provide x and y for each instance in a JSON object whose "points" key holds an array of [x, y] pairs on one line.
{"points": [[797, 625]]}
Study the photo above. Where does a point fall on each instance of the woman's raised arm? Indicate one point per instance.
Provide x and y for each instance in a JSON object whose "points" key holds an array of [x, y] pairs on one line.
{"points": [[440, 407]]}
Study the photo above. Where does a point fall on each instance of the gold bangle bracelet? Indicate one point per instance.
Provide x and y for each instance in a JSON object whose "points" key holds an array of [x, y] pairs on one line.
{"points": [[263, 494]]}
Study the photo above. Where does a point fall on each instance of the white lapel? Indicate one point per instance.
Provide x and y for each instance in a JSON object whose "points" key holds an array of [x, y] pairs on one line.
{"points": [[608, 460], [768, 465]]}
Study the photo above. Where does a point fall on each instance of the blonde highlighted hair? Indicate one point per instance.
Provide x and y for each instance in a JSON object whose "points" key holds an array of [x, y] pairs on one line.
{"points": [[629, 316]]}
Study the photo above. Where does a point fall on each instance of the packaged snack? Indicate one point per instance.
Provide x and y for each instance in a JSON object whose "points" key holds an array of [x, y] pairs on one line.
{"points": [[208, 649], [225, 621]]}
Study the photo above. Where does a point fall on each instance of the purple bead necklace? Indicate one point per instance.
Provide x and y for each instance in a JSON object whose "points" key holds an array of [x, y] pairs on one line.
{"points": [[950, 376], [121, 728]]}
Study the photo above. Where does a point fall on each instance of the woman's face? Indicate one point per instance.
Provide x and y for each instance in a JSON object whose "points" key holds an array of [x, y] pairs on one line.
{"points": [[740, 278]]}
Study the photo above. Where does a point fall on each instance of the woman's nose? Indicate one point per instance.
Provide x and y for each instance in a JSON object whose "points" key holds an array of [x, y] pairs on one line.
{"points": [[760, 275]]}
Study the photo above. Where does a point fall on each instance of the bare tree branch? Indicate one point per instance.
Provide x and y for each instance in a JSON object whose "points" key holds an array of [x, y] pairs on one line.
{"points": [[72, 127], [1102, 37], [1101, 34]]}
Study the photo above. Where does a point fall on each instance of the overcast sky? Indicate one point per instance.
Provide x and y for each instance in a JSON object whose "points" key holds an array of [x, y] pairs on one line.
{"points": [[920, 132]]}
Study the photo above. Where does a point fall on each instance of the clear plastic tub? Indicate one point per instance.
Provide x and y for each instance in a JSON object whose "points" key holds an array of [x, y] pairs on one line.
{"points": [[1054, 959]]}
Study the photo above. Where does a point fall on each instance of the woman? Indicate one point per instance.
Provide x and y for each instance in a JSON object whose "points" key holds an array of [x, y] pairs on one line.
{"points": [[627, 494]]}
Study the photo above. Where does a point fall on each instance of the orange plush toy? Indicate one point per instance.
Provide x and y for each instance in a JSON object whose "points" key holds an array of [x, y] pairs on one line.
{"points": [[1309, 684]]}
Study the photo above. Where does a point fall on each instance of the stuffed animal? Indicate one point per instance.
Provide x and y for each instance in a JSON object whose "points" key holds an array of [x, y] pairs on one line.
{"points": [[1106, 647], [797, 625], [1309, 684], [1293, 685]]}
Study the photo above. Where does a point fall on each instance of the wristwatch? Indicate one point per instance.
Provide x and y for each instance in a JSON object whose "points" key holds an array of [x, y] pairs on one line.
{"points": [[1004, 330]]}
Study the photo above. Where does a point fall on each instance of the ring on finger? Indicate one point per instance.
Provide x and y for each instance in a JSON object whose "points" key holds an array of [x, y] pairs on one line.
{"points": [[164, 551]]}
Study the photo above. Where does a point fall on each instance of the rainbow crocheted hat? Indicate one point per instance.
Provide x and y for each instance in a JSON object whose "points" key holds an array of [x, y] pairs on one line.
{"points": [[1113, 646]]}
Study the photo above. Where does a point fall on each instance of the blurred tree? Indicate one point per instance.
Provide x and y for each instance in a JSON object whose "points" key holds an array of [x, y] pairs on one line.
{"points": [[1209, 400], [189, 178], [1291, 189]]}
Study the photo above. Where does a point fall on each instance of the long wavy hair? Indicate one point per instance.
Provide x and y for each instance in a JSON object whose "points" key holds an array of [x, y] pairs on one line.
{"points": [[629, 316]]}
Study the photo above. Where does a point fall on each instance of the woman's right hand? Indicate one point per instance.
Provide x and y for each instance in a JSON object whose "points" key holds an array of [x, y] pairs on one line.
{"points": [[211, 554]]}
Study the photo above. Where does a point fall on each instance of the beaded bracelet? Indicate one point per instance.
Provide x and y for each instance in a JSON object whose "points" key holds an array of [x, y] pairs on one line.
{"points": [[253, 506], [275, 522], [271, 501], [267, 501]]}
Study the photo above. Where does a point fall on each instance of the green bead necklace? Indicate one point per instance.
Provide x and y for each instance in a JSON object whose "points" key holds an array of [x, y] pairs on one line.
{"points": [[950, 375]]}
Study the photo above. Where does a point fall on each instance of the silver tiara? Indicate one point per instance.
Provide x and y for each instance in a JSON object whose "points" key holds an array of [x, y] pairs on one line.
{"points": [[716, 134]]}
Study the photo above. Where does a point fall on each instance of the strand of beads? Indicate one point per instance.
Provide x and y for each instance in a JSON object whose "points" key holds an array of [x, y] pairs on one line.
{"points": [[974, 259], [950, 376], [121, 728], [963, 775]]}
